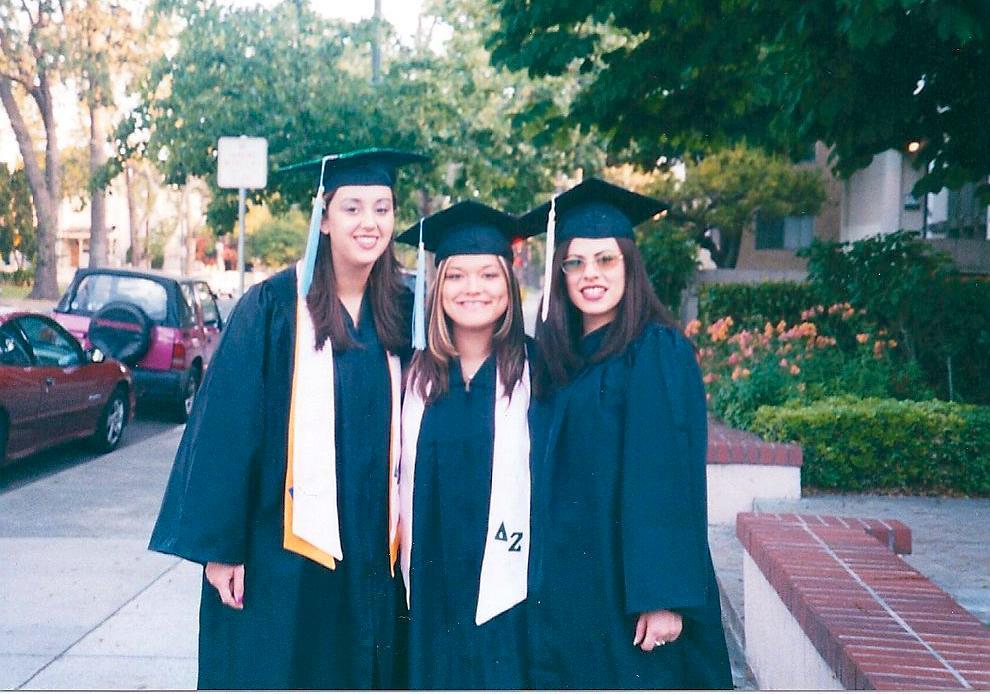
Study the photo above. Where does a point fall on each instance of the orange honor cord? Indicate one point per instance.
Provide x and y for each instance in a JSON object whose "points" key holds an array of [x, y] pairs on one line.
{"points": [[394, 450]]}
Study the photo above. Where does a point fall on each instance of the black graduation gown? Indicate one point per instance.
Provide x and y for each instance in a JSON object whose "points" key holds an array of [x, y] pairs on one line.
{"points": [[620, 524], [451, 492], [302, 626]]}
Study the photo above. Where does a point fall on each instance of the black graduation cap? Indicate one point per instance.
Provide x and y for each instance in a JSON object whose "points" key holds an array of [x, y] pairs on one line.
{"points": [[593, 209], [466, 228], [363, 167]]}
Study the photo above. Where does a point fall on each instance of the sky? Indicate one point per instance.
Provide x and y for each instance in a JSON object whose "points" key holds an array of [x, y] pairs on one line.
{"points": [[402, 14]]}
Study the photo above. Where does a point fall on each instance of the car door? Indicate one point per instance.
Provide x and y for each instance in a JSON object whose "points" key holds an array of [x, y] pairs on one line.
{"points": [[20, 391], [212, 322], [71, 396]]}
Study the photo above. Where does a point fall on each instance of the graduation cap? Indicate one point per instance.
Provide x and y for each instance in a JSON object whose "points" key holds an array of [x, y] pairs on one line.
{"points": [[467, 228], [593, 209], [364, 167]]}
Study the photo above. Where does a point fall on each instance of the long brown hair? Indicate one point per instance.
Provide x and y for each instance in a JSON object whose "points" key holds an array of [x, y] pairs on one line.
{"points": [[430, 369], [560, 335], [384, 288]]}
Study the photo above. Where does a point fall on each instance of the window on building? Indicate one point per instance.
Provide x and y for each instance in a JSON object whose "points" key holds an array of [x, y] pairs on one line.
{"points": [[789, 233]]}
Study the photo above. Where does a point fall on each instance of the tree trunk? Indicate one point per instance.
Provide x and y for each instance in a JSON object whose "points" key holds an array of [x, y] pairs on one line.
{"points": [[98, 246], [45, 186], [133, 227]]}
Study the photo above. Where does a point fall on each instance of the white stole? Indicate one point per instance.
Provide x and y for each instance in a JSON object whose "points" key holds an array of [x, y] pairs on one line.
{"points": [[505, 566], [312, 526]]}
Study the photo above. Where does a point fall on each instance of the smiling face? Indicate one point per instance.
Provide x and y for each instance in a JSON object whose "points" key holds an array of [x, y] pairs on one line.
{"points": [[595, 275], [359, 221], [474, 291]]}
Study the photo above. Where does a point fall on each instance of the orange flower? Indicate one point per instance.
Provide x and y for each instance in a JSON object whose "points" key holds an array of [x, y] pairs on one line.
{"points": [[891, 343], [692, 328], [862, 338], [878, 348], [795, 369], [710, 378]]}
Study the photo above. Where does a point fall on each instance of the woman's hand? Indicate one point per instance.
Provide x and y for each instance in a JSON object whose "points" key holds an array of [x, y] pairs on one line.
{"points": [[654, 629], [228, 579]]}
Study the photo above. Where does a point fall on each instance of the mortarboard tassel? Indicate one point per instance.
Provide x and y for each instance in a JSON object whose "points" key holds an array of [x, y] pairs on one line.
{"points": [[548, 265], [313, 239], [419, 296]]}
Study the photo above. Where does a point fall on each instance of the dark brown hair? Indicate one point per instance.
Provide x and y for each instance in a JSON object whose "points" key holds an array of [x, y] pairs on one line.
{"points": [[559, 337], [430, 369], [384, 288]]}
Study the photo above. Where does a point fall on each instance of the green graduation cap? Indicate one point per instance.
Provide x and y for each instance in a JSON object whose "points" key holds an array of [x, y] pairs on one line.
{"points": [[364, 167]]}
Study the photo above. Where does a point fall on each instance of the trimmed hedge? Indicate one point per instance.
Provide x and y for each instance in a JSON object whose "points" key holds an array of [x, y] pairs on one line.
{"points": [[882, 445], [753, 305]]}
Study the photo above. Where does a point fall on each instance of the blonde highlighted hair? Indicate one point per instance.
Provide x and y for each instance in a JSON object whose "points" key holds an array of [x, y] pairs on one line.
{"points": [[430, 369]]}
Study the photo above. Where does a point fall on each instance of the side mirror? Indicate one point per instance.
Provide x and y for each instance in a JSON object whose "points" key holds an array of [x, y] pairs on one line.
{"points": [[95, 355]]}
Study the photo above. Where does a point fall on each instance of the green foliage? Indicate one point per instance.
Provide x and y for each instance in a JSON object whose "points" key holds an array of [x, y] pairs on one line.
{"points": [[280, 240], [833, 351], [303, 82], [17, 229], [727, 189], [753, 305], [670, 257], [880, 445], [685, 76], [910, 289]]}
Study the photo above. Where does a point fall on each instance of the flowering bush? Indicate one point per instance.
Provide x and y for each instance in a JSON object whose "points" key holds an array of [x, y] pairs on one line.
{"points": [[833, 350]]}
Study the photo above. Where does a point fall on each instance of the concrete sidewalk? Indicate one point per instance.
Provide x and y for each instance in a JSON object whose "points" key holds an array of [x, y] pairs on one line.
{"points": [[951, 545], [85, 605]]}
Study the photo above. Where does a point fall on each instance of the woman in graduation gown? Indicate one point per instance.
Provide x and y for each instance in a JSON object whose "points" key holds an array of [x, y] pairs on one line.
{"points": [[622, 591], [464, 473], [285, 482]]}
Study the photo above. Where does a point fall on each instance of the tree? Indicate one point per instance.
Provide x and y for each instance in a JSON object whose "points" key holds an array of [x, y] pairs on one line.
{"points": [[729, 189], [16, 216], [30, 50], [280, 240], [103, 47], [686, 76]]}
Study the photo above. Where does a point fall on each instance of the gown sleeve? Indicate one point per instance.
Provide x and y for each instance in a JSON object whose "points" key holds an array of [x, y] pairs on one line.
{"points": [[664, 507], [205, 511]]}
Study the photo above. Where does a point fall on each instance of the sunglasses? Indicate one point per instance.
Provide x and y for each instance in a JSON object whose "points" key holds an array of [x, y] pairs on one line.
{"points": [[603, 261]]}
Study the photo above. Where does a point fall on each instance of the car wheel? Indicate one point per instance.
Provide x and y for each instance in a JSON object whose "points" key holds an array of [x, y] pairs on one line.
{"points": [[113, 420], [188, 397], [122, 331]]}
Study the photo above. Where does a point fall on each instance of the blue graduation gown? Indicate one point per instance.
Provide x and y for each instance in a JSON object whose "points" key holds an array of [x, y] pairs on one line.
{"points": [[451, 492], [621, 524], [302, 626]]}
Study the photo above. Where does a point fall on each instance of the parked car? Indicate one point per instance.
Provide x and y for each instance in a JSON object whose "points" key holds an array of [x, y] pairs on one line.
{"points": [[51, 390], [165, 328]]}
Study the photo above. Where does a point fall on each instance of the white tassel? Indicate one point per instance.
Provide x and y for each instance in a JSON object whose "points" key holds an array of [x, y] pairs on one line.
{"points": [[548, 266]]}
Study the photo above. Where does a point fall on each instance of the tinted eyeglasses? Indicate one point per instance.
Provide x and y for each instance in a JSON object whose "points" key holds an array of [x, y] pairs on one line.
{"points": [[606, 261]]}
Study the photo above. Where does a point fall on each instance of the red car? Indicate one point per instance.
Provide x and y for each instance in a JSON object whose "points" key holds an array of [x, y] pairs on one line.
{"points": [[51, 390], [165, 328]]}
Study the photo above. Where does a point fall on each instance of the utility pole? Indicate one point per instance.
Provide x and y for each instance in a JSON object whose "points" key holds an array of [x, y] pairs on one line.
{"points": [[376, 47]]}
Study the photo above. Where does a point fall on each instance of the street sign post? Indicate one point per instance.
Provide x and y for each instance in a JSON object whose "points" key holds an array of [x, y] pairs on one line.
{"points": [[242, 163]]}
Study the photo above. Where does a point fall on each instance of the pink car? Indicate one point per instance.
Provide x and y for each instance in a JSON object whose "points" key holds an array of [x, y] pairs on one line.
{"points": [[165, 328]]}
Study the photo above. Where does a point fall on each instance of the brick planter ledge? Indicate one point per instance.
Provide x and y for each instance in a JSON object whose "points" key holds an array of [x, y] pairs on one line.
{"points": [[830, 606], [743, 467]]}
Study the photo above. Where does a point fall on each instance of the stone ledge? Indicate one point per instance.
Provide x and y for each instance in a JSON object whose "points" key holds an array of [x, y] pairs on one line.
{"points": [[875, 621]]}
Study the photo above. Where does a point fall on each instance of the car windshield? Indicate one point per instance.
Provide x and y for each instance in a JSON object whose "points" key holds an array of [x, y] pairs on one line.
{"points": [[94, 291]]}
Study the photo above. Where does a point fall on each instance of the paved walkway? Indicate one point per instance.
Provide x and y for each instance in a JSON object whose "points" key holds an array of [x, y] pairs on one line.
{"points": [[951, 545], [85, 606]]}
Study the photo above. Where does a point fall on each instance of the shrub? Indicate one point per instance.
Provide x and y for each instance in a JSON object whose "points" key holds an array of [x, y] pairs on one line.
{"points": [[832, 351], [908, 288], [753, 305], [883, 445], [670, 256]]}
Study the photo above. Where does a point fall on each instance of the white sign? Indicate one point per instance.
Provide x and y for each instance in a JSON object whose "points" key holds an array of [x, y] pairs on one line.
{"points": [[242, 162]]}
